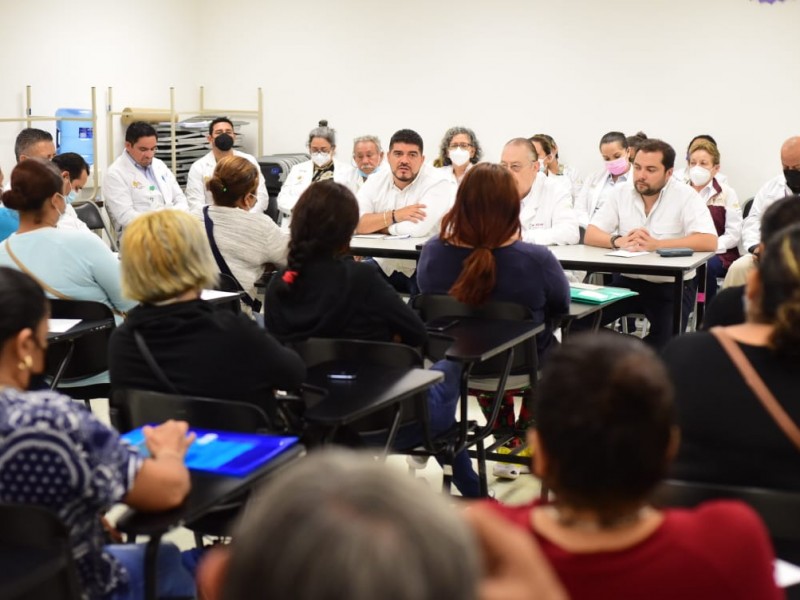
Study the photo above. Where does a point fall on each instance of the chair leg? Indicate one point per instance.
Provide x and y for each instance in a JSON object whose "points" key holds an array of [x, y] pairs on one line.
{"points": [[198, 540], [447, 470], [482, 468]]}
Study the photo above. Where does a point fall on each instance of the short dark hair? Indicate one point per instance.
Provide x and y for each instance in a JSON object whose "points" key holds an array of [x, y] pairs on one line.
{"points": [[614, 136], [32, 182], [217, 121], [667, 151], [604, 416], [27, 138], [406, 136], [22, 303], [139, 129], [73, 163], [780, 214]]}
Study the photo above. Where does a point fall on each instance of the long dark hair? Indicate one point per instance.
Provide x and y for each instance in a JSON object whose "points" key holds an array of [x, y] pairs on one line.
{"points": [[22, 303]]}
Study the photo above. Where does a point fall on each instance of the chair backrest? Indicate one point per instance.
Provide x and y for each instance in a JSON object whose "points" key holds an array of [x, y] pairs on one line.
{"points": [[135, 408], [316, 351], [89, 213], [747, 206], [90, 355], [780, 510], [526, 357], [38, 539]]}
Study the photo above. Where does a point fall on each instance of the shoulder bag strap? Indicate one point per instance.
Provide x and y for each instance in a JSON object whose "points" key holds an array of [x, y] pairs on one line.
{"points": [[254, 304], [25, 270], [151, 362], [757, 385]]}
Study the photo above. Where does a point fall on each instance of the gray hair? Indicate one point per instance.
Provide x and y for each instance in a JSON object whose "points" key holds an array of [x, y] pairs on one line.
{"points": [[368, 138], [27, 138], [342, 525], [444, 159], [324, 132]]}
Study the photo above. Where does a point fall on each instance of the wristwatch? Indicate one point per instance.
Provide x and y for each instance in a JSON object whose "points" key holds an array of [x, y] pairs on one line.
{"points": [[614, 239]]}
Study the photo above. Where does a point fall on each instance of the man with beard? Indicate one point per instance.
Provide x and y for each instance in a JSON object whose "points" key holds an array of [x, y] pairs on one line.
{"points": [[222, 138], [657, 212]]}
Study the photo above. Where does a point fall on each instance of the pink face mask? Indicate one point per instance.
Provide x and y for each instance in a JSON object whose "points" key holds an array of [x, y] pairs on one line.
{"points": [[617, 166]]}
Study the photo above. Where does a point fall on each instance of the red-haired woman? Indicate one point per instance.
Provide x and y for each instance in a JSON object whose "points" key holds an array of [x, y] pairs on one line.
{"points": [[479, 257]]}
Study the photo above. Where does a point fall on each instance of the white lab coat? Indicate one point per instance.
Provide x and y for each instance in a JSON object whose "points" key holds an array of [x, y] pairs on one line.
{"points": [[546, 214], [589, 200], [299, 179], [127, 192], [203, 169]]}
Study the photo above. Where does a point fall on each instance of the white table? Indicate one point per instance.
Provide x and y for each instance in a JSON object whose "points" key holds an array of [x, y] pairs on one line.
{"points": [[406, 248]]}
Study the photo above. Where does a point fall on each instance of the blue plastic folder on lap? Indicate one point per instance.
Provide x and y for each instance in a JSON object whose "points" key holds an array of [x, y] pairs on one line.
{"points": [[224, 452]]}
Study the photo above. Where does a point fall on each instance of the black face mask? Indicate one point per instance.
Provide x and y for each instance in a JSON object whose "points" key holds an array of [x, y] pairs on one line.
{"points": [[223, 142], [792, 179]]}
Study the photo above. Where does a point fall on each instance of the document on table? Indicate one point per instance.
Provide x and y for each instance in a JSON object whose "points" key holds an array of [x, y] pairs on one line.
{"points": [[381, 236], [61, 325], [625, 253], [214, 294], [786, 574]]}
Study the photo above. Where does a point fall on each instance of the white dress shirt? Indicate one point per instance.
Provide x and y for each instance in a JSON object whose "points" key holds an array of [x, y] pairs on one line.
{"points": [[70, 220], [546, 213], [595, 192], [203, 169], [678, 212], [733, 214], [773, 190]]}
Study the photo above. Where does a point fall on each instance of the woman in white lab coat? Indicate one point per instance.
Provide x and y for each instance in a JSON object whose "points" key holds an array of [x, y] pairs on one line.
{"points": [[547, 150], [617, 172], [459, 150], [322, 166]]}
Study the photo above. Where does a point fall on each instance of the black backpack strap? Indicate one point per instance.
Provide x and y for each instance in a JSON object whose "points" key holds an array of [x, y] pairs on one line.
{"points": [[151, 362], [253, 303]]}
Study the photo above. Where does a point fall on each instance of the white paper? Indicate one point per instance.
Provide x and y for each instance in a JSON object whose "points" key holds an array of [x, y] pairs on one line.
{"points": [[61, 325], [398, 237], [584, 286], [625, 253], [785, 573], [214, 294]]}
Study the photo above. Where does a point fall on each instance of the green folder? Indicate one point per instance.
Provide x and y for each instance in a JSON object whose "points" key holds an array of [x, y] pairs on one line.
{"points": [[597, 294]]}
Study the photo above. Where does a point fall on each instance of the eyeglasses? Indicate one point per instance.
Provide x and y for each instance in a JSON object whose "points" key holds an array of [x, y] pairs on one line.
{"points": [[462, 146], [515, 167]]}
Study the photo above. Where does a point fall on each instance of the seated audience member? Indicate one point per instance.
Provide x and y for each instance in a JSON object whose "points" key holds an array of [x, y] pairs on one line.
{"points": [[243, 242], [138, 182], [459, 151], [727, 308], [398, 540], [603, 441], [408, 199], [656, 212], [9, 219], [67, 264], [785, 184], [368, 157], [728, 434], [75, 172], [546, 212], [324, 293], [322, 166], [222, 137], [547, 149], [195, 349], [682, 174], [617, 173], [57, 455], [723, 203], [634, 141], [479, 257]]}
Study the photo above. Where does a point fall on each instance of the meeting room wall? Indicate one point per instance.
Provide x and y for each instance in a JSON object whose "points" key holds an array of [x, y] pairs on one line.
{"points": [[571, 68]]}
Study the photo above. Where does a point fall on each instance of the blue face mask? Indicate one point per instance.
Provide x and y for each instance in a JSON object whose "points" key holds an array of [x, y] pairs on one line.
{"points": [[71, 197], [365, 175]]}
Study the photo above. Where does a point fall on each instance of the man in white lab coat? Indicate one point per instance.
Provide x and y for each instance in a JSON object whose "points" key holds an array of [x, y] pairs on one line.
{"points": [[138, 182], [222, 137]]}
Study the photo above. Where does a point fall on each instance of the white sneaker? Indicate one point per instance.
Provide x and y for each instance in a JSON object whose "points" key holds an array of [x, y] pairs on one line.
{"points": [[506, 470], [417, 462]]}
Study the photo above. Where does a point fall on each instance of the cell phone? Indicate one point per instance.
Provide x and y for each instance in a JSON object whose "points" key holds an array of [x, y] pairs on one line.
{"points": [[340, 375], [441, 323], [674, 252]]}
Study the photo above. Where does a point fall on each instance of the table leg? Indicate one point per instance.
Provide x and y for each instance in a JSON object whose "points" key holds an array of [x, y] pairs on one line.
{"points": [[677, 303], [702, 273]]}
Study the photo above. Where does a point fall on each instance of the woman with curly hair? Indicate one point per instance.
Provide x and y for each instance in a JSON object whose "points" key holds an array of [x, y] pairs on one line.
{"points": [[458, 152]]}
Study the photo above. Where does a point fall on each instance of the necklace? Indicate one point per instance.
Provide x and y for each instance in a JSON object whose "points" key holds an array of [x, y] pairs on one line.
{"points": [[583, 524]]}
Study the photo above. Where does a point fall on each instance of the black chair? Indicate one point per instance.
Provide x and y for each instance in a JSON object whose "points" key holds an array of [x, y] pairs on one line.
{"points": [[381, 424], [82, 357], [524, 366], [89, 213], [747, 206], [135, 408], [35, 555]]}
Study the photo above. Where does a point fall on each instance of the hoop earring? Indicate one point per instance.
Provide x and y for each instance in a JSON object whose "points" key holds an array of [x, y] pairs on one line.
{"points": [[26, 363]]}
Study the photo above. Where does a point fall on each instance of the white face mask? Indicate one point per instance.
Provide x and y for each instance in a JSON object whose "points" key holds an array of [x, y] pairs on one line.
{"points": [[542, 168], [321, 158], [458, 156], [699, 175]]}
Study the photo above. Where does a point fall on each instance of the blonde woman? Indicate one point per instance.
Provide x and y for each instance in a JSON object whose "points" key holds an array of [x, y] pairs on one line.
{"points": [[166, 263]]}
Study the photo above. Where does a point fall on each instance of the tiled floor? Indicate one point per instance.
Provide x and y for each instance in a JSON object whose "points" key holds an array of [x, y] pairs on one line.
{"points": [[519, 491]]}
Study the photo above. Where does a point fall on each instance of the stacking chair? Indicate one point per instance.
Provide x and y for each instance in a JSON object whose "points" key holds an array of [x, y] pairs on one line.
{"points": [[89, 213], [83, 357], [135, 408], [36, 556]]}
